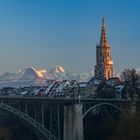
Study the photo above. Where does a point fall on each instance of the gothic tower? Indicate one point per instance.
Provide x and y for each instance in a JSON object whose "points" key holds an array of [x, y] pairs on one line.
{"points": [[104, 64]]}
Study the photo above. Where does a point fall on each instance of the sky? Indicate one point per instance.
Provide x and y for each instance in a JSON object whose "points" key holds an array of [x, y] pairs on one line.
{"points": [[46, 33]]}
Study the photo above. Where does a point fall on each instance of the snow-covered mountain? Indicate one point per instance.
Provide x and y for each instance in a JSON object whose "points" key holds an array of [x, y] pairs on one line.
{"points": [[59, 73], [26, 77], [26, 74], [31, 76]]}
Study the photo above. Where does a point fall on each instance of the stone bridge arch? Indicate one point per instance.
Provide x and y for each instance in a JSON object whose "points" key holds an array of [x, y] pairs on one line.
{"points": [[102, 104], [43, 133]]}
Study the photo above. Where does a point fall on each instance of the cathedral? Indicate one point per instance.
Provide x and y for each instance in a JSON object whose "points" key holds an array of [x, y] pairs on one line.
{"points": [[104, 63]]}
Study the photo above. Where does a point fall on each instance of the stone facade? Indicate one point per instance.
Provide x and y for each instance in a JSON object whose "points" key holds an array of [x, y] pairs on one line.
{"points": [[104, 63]]}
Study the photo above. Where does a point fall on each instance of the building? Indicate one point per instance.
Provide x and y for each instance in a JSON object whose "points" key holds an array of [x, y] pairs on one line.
{"points": [[104, 63]]}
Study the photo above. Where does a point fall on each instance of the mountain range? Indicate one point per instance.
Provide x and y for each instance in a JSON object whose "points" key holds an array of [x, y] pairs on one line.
{"points": [[31, 76]]}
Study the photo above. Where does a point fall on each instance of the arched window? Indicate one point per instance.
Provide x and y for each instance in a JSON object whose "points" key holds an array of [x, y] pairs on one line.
{"points": [[108, 73], [108, 54]]}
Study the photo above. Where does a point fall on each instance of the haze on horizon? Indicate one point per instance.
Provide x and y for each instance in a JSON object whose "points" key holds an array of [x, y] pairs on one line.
{"points": [[46, 33]]}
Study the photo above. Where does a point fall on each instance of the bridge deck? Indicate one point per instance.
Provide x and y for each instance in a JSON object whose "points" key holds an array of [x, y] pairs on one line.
{"points": [[63, 100]]}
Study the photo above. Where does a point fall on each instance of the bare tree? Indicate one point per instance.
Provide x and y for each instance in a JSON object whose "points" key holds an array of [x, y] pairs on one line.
{"points": [[130, 78]]}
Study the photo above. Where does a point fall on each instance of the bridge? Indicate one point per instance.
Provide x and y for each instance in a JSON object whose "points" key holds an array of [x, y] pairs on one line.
{"points": [[50, 117]]}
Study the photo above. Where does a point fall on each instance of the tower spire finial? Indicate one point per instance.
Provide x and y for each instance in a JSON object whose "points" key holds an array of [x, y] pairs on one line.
{"points": [[103, 22], [103, 40]]}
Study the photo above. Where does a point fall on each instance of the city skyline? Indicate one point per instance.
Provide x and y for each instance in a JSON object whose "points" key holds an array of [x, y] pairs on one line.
{"points": [[43, 34]]}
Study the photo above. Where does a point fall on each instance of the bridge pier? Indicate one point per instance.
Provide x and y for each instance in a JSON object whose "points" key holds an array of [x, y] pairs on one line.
{"points": [[35, 112], [42, 113], [26, 108], [73, 122]]}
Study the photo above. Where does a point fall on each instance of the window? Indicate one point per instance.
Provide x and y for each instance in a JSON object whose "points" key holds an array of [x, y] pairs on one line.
{"points": [[108, 54]]}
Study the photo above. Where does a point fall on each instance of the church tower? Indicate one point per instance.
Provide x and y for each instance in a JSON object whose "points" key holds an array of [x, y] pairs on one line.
{"points": [[104, 64]]}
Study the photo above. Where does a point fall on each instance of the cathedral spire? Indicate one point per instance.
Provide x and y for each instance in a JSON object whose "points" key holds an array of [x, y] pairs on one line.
{"points": [[104, 63], [103, 40]]}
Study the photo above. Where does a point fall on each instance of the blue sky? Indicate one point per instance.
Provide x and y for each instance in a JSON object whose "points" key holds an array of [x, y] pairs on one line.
{"points": [[45, 33]]}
